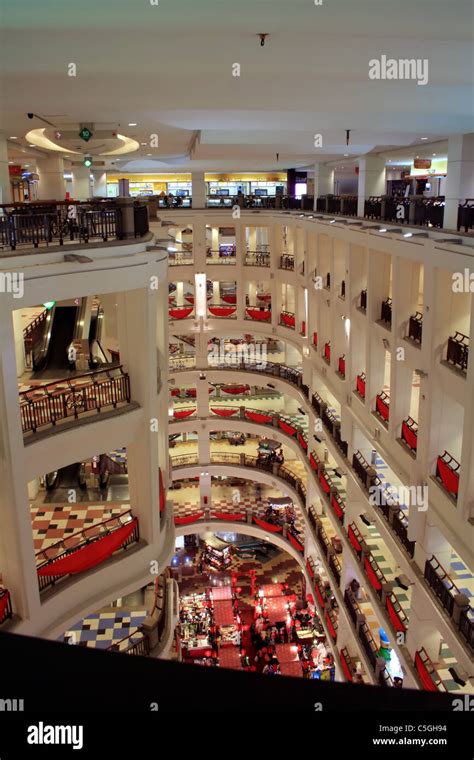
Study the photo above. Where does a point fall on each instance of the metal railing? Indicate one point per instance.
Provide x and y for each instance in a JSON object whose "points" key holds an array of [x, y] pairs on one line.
{"points": [[287, 262], [68, 398], [54, 223], [48, 557], [5, 599], [458, 350]]}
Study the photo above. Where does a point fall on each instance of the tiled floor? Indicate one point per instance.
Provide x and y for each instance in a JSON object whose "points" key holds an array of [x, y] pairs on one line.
{"points": [[445, 661], [102, 629], [51, 522]]}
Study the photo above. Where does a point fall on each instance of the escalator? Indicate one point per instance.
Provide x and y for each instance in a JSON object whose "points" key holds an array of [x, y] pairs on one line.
{"points": [[52, 352], [97, 355], [69, 477]]}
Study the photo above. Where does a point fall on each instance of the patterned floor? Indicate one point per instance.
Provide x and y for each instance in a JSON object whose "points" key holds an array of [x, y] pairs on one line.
{"points": [[102, 629], [51, 522], [387, 564], [447, 660]]}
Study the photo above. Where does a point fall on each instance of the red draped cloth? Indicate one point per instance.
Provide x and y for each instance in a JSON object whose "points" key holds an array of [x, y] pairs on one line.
{"points": [[288, 319], [345, 667], [286, 428], [262, 316], [409, 436], [222, 311], [4, 604], [425, 677], [235, 390], [267, 526], [180, 414], [383, 409], [180, 313], [261, 419], [372, 575], [188, 520], [223, 412], [227, 516], [448, 476], [361, 387], [295, 543], [91, 554], [397, 623]]}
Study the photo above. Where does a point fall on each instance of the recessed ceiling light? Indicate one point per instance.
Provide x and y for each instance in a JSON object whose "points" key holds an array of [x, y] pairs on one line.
{"points": [[10, 162], [143, 143], [423, 138], [13, 137], [26, 165], [345, 155], [434, 154], [149, 154], [32, 145], [408, 234], [383, 229], [132, 123]]}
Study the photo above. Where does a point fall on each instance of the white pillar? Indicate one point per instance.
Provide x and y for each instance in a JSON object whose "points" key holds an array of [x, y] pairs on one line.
{"points": [[81, 183], [371, 180], [100, 184], [323, 181], [460, 179], [19, 342], [51, 185], [198, 190], [5, 185]]}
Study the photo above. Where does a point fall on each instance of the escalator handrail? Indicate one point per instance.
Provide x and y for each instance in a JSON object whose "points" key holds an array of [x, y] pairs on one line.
{"points": [[41, 353]]}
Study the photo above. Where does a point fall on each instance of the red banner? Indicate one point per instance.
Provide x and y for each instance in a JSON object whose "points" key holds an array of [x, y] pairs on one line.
{"points": [[222, 311], [372, 575], [223, 412], [286, 428], [325, 485], [330, 626], [321, 598], [295, 543], [449, 478], [180, 414], [188, 520], [397, 623], [267, 526], [345, 667], [4, 604], [409, 436], [90, 555], [230, 298], [261, 419], [302, 442], [425, 677], [180, 313], [309, 569], [361, 387], [261, 315], [382, 408], [315, 339], [228, 516], [353, 539], [313, 462], [288, 319], [336, 507], [327, 352], [235, 390], [342, 366]]}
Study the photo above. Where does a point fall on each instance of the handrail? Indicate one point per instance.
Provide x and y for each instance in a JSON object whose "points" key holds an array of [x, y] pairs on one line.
{"points": [[47, 404], [45, 581]]}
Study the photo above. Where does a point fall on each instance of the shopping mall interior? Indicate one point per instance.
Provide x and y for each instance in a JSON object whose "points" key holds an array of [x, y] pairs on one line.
{"points": [[236, 298]]}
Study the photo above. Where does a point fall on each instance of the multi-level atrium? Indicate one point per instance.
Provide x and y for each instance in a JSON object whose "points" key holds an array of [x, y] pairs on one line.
{"points": [[236, 400]]}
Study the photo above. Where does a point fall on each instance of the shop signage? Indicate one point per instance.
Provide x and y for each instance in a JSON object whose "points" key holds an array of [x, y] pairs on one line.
{"points": [[15, 170], [422, 163]]}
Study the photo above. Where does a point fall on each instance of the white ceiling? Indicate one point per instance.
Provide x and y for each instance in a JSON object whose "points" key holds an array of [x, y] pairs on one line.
{"points": [[169, 68]]}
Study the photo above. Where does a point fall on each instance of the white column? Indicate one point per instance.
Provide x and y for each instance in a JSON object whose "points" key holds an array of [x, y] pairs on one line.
{"points": [[51, 185], [371, 180], [5, 185], [81, 183], [19, 342], [460, 179], [323, 181], [198, 190], [100, 183]]}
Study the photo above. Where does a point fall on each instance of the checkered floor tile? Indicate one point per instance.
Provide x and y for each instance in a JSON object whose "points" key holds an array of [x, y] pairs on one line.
{"points": [[51, 523], [103, 629]]}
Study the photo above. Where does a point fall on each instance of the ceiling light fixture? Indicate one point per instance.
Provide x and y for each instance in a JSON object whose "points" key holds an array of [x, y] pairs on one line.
{"points": [[13, 137], [408, 234], [132, 123], [263, 36], [423, 138]]}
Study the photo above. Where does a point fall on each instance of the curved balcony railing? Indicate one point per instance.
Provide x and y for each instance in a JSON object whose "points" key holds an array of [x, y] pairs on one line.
{"points": [[6, 611], [258, 313], [85, 549], [180, 258], [287, 262], [44, 223], [257, 258], [455, 604], [181, 312], [72, 397], [222, 310]]}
